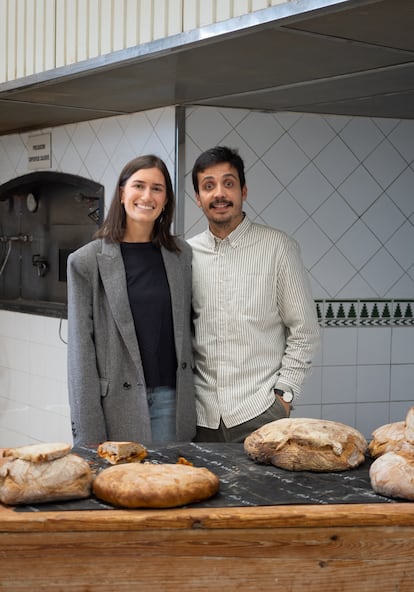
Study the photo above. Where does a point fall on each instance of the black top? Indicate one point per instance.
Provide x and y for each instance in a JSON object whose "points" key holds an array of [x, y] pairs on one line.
{"points": [[150, 301]]}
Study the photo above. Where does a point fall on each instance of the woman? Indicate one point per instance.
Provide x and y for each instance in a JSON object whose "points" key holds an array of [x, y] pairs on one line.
{"points": [[129, 313]]}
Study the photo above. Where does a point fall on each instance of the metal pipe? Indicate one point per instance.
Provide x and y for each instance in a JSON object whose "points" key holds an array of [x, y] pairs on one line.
{"points": [[6, 257], [24, 238]]}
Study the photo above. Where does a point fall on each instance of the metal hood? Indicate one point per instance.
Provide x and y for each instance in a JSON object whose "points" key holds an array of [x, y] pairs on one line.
{"points": [[342, 57]]}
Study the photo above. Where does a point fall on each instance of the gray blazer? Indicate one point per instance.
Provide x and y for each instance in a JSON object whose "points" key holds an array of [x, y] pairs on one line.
{"points": [[107, 392]]}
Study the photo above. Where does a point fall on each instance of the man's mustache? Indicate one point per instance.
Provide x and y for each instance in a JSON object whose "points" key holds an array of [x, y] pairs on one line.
{"points": [[216, 202]]}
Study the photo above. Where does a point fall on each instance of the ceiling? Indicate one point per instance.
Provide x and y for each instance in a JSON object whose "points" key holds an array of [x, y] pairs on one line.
{"points": [[349, 57]]}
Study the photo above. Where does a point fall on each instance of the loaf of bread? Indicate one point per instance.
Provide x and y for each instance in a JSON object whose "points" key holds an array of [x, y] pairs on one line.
{"points": [[27, 476], [393, 437], [392, 475], [147, 485], [306, 444]]}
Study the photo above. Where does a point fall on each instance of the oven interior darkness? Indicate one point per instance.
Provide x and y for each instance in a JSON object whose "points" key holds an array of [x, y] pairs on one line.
{"points": [[44, 216]]}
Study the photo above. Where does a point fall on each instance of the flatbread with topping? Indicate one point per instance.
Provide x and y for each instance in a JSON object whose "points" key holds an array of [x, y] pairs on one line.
{"points": [[122, 452]]}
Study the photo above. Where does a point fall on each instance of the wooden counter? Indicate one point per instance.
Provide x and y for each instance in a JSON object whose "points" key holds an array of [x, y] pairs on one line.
{"points": [[326, 548]]}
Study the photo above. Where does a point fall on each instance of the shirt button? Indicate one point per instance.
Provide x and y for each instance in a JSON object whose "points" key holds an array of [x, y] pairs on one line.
{"points": [[126, 386]]}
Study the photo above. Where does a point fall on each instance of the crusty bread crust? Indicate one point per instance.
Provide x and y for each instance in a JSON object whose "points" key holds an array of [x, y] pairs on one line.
{"points": [[25, 482], [307, 444], [121, 452], [392, 475], [147, 485], [393, 437], [39, 452]]}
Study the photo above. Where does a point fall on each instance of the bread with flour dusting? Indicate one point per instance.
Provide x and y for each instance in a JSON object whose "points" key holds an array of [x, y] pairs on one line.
{"points": [[43, 473], [307, 444]]}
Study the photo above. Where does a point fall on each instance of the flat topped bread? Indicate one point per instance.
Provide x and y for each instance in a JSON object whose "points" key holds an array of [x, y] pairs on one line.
{"points": [[147, 485], [39, 452], [307, 444]]}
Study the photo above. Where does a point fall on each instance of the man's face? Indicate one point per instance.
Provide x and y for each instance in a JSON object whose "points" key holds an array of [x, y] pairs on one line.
{"points": [[221, 198]]}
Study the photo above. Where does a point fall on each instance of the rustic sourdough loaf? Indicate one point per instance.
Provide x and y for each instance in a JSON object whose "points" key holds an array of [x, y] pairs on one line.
{"points": [[64, 478], [392, 475], [307, 444], [393, 437]]}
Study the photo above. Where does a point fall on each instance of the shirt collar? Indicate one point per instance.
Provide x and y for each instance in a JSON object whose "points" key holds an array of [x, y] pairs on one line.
{"points": [[235, 236]]}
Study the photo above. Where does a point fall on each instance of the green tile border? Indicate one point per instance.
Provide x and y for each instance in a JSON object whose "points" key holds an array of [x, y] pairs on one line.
{"points": [[365, 313]]}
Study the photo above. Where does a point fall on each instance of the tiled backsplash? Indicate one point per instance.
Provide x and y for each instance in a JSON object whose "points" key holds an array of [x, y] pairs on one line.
{"points": [[365, 313], [341, 186], [33, 384], [97, 149]]}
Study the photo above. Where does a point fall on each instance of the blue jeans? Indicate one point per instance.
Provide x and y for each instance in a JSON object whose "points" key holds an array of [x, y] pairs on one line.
{"points": [[161, 403]]}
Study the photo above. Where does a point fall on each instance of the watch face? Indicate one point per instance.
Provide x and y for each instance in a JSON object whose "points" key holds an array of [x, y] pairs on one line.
{"points": [[31, 202], [287, 397]]}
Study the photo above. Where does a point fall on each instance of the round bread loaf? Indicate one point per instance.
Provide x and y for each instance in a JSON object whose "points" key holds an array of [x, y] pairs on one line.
{"points": [[306, 444], [394, 437], [392, 475], [150, 485]]}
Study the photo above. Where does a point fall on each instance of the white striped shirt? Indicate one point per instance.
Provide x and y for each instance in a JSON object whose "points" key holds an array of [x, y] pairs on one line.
{"points": [[255, 322]]}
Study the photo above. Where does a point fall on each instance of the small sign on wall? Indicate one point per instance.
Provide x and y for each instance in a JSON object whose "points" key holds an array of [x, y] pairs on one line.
{"points": [[39, 152]]}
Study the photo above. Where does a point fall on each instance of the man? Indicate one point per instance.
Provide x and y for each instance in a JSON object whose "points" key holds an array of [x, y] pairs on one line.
{"points": [[255, 322]]}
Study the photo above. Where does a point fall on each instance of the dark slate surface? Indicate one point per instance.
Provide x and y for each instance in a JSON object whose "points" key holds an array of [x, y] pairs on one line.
{"points": [[244, 482]]}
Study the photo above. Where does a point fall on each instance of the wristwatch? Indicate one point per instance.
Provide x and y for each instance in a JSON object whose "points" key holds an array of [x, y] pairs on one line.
{"points": [[287, 396]]}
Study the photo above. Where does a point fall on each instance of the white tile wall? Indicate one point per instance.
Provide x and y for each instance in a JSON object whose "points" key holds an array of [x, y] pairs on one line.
{"points": [[328, 180], [341, 185], [373, 383], [33, 393]]}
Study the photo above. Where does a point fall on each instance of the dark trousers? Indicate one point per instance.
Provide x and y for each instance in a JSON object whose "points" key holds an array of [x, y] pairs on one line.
{"points": [[239, 432]]}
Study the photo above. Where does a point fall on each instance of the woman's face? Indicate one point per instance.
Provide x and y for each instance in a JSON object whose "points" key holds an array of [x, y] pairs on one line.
{"points": [[144, 196]]}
